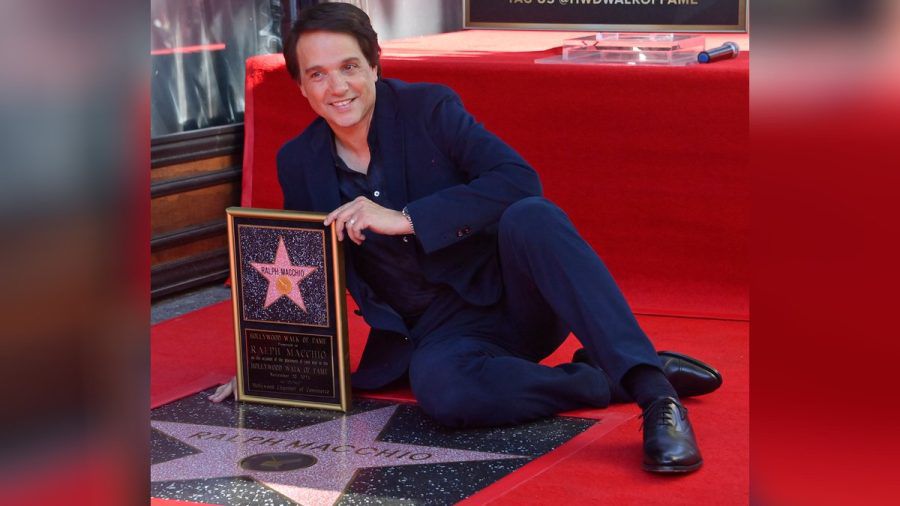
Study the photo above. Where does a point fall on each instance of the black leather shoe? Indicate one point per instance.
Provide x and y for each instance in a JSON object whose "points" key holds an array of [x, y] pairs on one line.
{"points": [[690, 377], [669, 443]]}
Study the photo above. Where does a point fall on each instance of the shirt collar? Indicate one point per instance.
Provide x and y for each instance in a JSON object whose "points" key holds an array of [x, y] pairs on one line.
{"points": [[372, 141]]}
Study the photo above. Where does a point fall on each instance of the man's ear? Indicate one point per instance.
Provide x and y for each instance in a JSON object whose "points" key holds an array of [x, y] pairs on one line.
{"points": [[302, 90], [375, 71]]}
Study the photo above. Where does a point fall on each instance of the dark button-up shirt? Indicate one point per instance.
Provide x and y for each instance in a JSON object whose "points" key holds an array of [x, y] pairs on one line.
{"points": [[388, 264]]}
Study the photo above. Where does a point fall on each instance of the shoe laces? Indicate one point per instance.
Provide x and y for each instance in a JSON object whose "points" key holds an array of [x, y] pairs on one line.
{"points": [[667, 417]]}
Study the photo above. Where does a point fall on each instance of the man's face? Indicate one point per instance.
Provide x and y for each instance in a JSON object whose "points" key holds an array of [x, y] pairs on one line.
{"points": [[336, 79]]}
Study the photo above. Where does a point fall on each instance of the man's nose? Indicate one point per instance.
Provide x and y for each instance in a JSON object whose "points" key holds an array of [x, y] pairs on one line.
{"points": [[337, 83]]}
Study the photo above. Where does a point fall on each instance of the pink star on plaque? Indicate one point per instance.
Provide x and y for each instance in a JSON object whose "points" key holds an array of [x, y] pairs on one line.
{"points": [[284, 278]]}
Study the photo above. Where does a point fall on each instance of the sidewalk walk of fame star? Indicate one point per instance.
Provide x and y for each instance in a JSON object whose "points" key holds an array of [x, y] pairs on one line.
{"points": [[284, 278], [311, 465]]}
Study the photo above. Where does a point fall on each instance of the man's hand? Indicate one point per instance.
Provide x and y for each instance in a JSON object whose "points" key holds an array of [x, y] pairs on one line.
{"points": [[362, 214], [224, 391]]}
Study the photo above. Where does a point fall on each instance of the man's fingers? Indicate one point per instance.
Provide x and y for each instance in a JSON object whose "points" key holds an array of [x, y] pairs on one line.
{"points": [[355, 229], [339, 228], [220, 394], [352, 218], [339, 225], [333, 215], [224, 391], [344, 223], [339, 218]]}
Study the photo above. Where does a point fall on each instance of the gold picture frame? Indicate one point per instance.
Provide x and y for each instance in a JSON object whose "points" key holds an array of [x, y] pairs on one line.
{"points": [[290, 314]]}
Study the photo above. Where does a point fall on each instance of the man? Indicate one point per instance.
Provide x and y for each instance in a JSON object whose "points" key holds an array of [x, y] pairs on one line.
{"points": [[466, 275]]}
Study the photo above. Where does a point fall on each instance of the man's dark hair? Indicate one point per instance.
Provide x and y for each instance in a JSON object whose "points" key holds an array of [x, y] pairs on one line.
{"points": [[333, 17]]}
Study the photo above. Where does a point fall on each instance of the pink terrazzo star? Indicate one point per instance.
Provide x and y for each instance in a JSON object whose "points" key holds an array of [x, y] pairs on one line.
{"points": [[335, 449], [284, 278]]}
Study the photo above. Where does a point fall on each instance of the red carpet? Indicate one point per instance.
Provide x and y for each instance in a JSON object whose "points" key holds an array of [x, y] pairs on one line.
{"points": [[196, 351]]}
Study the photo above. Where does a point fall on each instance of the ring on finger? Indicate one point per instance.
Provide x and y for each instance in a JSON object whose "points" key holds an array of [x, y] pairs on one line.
{"points": [[352, 221]]}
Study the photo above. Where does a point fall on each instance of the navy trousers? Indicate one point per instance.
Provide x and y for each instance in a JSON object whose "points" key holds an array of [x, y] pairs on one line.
{"points": [[477, 366]]}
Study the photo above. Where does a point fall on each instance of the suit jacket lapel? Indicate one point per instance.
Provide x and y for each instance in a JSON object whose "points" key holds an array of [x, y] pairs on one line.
{"points": [[321, 178], [386, 120]]}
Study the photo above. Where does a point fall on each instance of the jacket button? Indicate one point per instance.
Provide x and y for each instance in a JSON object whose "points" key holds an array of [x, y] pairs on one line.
{"points": [[463, 231], [405, 239]]}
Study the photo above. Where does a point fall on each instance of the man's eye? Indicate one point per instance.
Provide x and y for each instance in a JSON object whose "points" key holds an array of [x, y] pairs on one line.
{"points": [[316, 75], [350, 67]]}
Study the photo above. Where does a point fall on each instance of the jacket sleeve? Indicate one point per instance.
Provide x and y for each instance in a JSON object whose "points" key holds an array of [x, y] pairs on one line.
{"points": [[289, 180], [496, 177]]}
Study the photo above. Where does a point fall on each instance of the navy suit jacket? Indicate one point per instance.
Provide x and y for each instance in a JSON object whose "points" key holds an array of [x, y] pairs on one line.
{"points": [[455, 178]]}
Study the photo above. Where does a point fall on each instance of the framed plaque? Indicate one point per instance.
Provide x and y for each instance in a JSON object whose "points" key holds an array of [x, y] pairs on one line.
{"points": [[290, 315], [608, 15]]}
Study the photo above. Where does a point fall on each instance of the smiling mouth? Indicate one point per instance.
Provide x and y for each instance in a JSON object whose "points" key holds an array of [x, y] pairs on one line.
{"points": [[343, 103]]}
